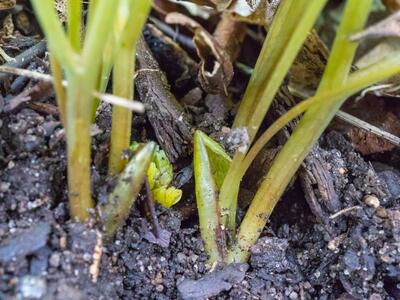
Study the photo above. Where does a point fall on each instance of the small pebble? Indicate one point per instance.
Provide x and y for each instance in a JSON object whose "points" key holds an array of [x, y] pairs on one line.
{"points": [[54, 260], [4, 186], [181, 257], [32, 287], [293, 295], [381, 212], [87, 257], [372, 201], [159, 288]]}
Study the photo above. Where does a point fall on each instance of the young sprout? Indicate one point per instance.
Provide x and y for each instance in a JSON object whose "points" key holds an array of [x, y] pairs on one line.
{"points": [[132, 16], [129, 184], [160, 175], [336, 86], [84, 56]]}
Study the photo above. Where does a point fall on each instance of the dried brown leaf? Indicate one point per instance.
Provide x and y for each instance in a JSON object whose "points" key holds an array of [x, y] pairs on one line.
{"points": [[7, 4], [259, 12], [392, 5], [216, 70]]}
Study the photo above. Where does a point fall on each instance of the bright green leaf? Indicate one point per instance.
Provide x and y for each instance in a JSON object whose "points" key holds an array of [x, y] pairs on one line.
{"points": [[211, 164]]}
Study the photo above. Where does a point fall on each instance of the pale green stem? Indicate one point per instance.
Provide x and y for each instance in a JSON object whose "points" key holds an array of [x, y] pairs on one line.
{"points": [[78, 146], [304, 136], [123, 81], [75, 23], [57, 40], [123, 73], [58, 77], [288, 31]]}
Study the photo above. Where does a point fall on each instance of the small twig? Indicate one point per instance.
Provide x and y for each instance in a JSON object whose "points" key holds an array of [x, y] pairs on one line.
{"points": [[135, 106], [184, 40], [98, 250], [23, 59], [343, 211], [151, 210], [368, 127]]}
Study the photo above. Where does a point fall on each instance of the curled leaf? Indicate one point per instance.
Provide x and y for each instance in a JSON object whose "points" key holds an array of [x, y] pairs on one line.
{"points": [[121, 199], [216, 70], [160, 175], [211, 165], [167, 196]]}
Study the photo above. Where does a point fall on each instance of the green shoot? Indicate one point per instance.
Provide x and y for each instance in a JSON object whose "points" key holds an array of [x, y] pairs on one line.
{"points": [[129, 184], [306, 134], [160, 175], [127, 34], [336, 86], [291, 25], [211, 164], [82, 55]]}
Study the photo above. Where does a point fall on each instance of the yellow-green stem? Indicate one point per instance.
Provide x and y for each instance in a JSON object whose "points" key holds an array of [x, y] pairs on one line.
{"points": [[58, 78], [74, 23], [56, 38], [123, 85], [123, 73], [287, 33], [305, 135], [78, 149]]}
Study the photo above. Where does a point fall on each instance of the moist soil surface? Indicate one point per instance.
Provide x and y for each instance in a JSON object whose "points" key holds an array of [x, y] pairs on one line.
{"points": [[335, 234], [43, 255]]}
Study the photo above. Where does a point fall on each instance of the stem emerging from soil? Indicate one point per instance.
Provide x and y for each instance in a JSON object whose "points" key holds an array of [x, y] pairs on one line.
{"points": [[305, 135], [288, 31]]}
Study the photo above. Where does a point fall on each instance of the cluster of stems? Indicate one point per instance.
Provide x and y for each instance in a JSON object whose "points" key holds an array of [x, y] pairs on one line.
{"points": [[84, 54], [290, 27]]}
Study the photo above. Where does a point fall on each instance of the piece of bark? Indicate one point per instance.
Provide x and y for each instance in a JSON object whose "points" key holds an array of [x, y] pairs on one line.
{"points": [[319, 188], [170, 122]]}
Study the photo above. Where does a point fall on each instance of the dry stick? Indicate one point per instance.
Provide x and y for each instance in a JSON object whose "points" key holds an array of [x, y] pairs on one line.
{"points": [[25, 58], [135, 106], [151, 211], [368, 127]]}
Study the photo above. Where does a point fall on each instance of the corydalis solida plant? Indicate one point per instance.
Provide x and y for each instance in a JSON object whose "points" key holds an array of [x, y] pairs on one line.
{"points": [[217, 202], [79, 53]]}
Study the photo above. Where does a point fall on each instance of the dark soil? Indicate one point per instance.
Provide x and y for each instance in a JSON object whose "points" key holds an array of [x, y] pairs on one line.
{"points": [[348, 249], [45, 256]]}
